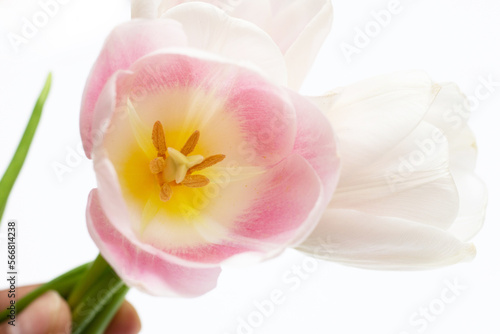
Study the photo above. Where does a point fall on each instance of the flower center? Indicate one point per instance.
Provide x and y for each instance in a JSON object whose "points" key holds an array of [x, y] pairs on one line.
{"points": [[175, 168]]}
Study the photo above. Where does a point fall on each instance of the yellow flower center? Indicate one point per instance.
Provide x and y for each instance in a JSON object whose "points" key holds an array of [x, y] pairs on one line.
{"points": [[177, 168]]}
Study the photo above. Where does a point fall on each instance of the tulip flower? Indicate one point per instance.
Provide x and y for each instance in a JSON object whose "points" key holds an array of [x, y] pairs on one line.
{"points": [[407, 196], [201, 153]]}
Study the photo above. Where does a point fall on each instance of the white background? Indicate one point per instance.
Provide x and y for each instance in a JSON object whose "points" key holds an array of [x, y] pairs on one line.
{"points": [[453, 40]]}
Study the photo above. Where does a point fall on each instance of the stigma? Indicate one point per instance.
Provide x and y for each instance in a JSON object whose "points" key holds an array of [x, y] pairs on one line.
{"points": [[174, 167]]}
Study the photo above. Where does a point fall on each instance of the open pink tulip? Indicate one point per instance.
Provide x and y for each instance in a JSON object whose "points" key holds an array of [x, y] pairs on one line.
{"points": [[201, 154]]}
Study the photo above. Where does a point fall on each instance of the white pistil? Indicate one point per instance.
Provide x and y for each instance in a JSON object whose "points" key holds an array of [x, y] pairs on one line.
{"points": [[181, 164]]}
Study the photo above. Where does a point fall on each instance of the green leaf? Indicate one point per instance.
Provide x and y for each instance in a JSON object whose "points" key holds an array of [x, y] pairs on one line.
{"points": [[10, 176]]}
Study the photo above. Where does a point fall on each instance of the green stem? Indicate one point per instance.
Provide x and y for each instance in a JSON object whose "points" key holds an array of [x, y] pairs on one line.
{"points": [[92, 303], [96, 290], [95, 271], [10, 176], [104, 317], [62, 284]]}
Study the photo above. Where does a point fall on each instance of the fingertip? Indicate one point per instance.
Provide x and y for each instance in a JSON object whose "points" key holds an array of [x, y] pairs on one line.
{"points": [[48, 314], [126, 321]]}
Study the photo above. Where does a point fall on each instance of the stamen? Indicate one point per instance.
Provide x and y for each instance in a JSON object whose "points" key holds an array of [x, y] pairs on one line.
{"points": [[176, 170], [166, 192], [157, 165], [195, 181], [208, 162], [191, 143], [159, 139]]}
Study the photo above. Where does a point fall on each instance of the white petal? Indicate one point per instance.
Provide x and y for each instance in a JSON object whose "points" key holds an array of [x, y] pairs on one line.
{"points": [[147, 9], [255, 11], [473, 200], [368, 241], [298, 27], [210, 29], [411, 181], [375, 115], [301, 53], [463, 150], [450, 112]]}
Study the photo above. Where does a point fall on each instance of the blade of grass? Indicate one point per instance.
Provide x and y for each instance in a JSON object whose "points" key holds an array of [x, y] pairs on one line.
{"points": [[10, 176]]}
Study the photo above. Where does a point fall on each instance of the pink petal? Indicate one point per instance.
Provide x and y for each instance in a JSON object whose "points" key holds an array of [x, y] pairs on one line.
{"points": [[126, 43], [104, 109], [316, 142], [282, 207], [264, 112], [288, 205], [146, 269]]}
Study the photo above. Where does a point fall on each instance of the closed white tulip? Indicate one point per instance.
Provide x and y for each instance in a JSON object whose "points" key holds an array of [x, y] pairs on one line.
{"points": [[407, 196]]}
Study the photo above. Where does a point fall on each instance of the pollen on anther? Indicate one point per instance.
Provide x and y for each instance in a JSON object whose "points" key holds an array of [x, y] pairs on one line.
{"points": [[166, 192], [208, 162], [159, 139], [157, 165], [190, 144], [195, 181]]}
